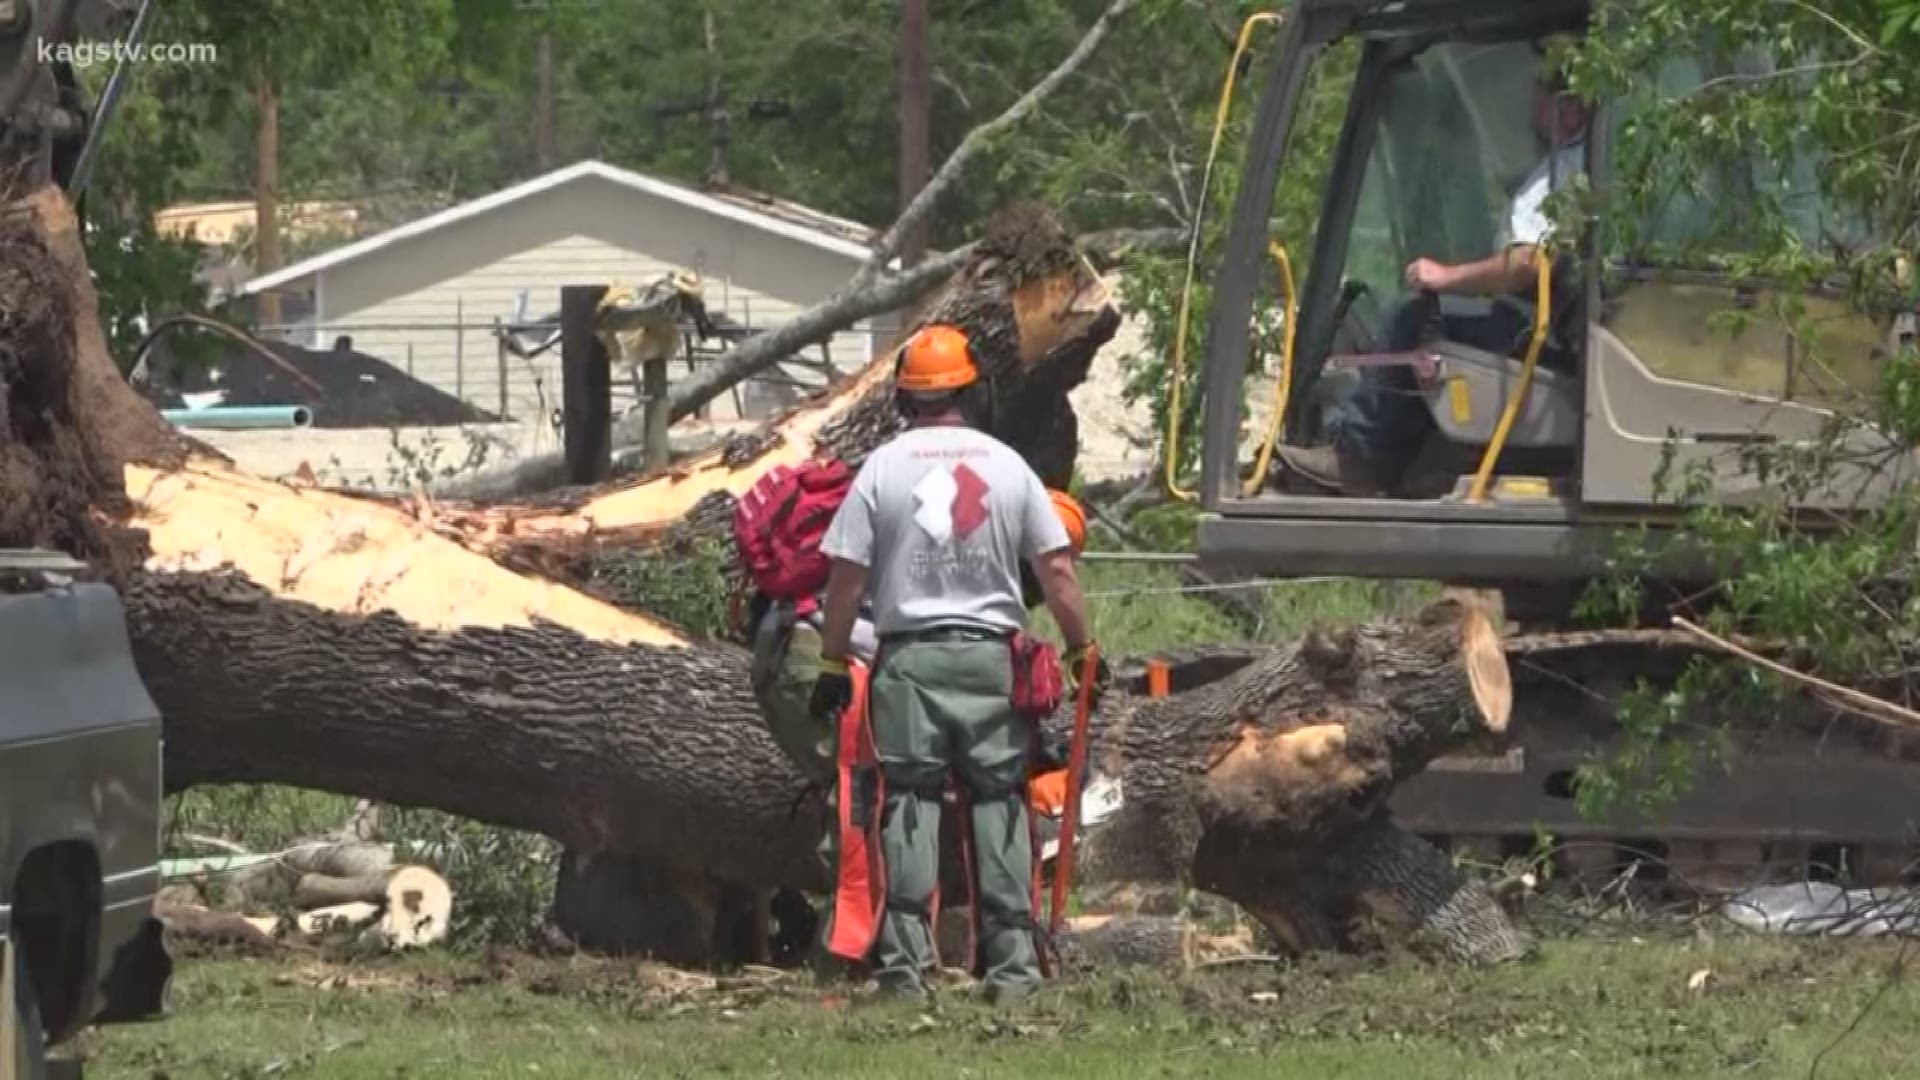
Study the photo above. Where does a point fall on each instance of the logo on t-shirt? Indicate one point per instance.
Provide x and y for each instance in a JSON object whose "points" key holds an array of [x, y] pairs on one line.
{"points": [[951, 503]]}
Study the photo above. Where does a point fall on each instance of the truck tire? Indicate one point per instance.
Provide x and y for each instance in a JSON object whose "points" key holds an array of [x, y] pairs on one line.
{"points": [[30, 1039]]}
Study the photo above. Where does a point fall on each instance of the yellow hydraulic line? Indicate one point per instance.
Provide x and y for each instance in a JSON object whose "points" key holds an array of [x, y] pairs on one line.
{"points": [[1182, 320], [1285, 387], [1542, 305]]}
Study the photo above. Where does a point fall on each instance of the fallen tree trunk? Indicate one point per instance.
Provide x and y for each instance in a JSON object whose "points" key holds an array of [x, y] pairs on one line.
{"points": [[1270, 786], [329, 641]]}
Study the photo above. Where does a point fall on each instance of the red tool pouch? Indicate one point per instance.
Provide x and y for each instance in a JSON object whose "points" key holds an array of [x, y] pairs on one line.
{"points": [[1038, 683]]}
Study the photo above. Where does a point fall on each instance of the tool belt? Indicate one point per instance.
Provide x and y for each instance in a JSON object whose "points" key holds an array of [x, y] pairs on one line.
{"points": [[939, 634]]}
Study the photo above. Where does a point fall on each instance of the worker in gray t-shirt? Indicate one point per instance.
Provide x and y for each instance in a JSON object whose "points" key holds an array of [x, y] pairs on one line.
{"points": [[936, 527]]}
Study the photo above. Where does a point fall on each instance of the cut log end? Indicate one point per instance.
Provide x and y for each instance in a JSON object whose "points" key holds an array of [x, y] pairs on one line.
{"points": [[418, 907], [1487, 674]]}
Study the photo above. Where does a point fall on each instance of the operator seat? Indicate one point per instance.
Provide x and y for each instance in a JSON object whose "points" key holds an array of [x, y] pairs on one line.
{"points": [[1465, 389]]}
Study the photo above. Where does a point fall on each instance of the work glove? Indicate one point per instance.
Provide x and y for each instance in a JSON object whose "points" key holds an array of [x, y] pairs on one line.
{"points": [[832, 692], [1075, 663]]}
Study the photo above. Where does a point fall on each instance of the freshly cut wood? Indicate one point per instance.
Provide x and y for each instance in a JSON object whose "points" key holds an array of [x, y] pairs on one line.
{"points": [[1270, 787], [1103, 942], [334, 917], [362, 646]]}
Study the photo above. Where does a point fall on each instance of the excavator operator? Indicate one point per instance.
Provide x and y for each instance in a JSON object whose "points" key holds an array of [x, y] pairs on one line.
{"points": [[1377, 430]]}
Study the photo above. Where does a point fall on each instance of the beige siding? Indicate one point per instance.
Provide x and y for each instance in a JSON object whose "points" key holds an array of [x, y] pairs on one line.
{"points": [[590, 231]]}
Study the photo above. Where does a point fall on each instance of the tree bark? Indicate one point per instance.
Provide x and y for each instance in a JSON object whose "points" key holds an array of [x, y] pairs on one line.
{"points": [[543, 103], [266, 191], [717, 111], [315, 638], [916, 122]]}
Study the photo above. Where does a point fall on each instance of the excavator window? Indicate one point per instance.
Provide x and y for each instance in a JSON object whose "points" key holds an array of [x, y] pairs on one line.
{"points": [[1670, 304], [1452, 145], [1455, 150]]}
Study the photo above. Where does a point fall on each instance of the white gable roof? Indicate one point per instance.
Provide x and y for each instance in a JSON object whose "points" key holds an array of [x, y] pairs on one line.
{"points": [[720, 206]]}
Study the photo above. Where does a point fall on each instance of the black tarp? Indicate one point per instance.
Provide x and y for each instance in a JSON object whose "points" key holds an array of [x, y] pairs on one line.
{"points": [[356, 390]]}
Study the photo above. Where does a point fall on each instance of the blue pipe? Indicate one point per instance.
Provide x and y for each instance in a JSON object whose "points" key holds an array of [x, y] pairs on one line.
{"points": [[231, 417]]}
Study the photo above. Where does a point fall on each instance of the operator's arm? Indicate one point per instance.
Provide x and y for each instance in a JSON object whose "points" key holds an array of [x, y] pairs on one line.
{"points": [[1060, 582], [1513, 269], [845, 587]]}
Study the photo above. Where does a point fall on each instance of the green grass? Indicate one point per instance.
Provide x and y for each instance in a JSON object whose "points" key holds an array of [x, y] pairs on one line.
{"points": [[1588, 1009], [1139, 609]]}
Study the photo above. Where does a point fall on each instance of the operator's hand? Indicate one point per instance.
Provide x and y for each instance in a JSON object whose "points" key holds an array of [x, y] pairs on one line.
{"points": [[832, 692], [1429, 275], [1075, 664]]}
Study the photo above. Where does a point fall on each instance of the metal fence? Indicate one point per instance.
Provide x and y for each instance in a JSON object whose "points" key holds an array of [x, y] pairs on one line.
{"points": [[488, 365]]}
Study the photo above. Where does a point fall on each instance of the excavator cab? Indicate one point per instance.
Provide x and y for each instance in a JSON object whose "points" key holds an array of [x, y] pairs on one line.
{"points": [[1521, 428]]}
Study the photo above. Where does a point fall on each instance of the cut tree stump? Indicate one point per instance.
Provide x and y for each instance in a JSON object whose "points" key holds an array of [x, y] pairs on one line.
{"points": [[415, 902], [445, 656]]}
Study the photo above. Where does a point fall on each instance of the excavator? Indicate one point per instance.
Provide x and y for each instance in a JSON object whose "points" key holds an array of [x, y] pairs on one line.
{"points": [[49, 131], [1540, 443]]}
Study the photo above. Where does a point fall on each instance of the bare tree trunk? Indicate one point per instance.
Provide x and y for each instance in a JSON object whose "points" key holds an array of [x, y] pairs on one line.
{"points": [[916, 122], [543, 103], [717, 110], [266, 191]]}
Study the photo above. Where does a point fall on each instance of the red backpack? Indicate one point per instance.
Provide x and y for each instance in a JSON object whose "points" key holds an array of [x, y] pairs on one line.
{"points": [[779, 523]]}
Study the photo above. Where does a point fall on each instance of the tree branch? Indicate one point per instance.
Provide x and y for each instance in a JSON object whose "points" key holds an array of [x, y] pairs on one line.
{"points": [[949, 172], [851, 303]]}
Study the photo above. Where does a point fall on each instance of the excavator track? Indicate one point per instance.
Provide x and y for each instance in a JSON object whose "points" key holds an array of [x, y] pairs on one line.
{"points": [[1801, 794]]}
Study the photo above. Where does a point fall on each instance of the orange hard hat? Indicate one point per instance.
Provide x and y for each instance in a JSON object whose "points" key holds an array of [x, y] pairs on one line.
{"points": [[936, 358], [1074, 518]]}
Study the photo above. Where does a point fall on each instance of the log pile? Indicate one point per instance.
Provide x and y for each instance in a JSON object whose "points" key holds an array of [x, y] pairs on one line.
{"points": [[446, 655], [311, 891]]}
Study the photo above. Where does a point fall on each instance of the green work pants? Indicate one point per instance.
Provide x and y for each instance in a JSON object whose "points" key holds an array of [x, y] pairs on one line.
{"points": [[941, 707], [786, 661]]}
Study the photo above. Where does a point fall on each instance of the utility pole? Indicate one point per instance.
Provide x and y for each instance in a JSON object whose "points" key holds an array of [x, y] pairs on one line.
{"points": [[543, 103], [716, 108], [913, 83], [266, 189], [585, 386]]}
